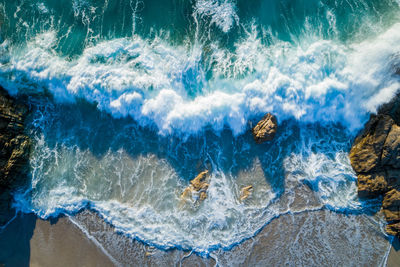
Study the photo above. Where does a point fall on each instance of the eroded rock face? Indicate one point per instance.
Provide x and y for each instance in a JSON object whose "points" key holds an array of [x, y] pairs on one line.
{"points": [[14, 149], [375, 156], [391, 148], [393, 228], [391, 205], [372, 184], [366, 151], [265, 129]]}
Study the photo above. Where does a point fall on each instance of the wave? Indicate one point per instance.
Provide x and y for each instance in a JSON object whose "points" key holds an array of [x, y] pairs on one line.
{"points": [[163, 85], [134, 178], [165, 111], [222, 13]]}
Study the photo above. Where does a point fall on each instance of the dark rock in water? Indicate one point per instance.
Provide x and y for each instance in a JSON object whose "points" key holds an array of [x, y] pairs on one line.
{"points": [[265, 129], [375, 156], [14, 150]]}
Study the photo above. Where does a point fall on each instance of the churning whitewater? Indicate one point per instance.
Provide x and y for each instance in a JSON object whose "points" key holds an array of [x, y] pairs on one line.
{"points": [[130, 114]]}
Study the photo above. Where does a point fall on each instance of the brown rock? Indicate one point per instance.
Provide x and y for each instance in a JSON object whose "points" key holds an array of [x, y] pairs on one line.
{"points": [[391, 205], [198, 187], [375, 156], [203, 195], [391, 148], [187, 193], [393, 228], [265, 129], [391, 199], [371, 184], [366, 151], [392, 214], [200, 182], [245, 192]]}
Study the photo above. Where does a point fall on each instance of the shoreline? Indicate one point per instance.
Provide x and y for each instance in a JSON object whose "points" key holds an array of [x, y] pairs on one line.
{"points": [[88, 240]]}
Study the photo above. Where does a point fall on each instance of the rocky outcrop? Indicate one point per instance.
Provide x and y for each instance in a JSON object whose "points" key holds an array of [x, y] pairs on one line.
{"points": [[14, 149], [375, 156], [265, 129], [197, 190], [366, 152], [245, 192]]}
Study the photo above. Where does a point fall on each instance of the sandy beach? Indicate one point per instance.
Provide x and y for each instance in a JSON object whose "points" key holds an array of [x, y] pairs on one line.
{"points": [[320, 238]]}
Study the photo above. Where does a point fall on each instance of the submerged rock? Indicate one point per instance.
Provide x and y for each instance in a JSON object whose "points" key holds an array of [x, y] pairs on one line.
{"points": [[245, 192], [197, 190], [14, 150], [265, 129], [375, 156]]}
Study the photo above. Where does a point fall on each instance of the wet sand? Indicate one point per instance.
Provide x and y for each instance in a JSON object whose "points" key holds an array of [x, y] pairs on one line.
{"points": [[394, 255], [63, 244], [319, 238]]}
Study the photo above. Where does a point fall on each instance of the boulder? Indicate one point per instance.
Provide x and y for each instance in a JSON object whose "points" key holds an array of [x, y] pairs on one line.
{"points": [[245, 192], [391, 199], [375, 157], [393, 228], [391, 148], [265, 129], [197, 190], [365, 154], [200, 182], [372, 184]]}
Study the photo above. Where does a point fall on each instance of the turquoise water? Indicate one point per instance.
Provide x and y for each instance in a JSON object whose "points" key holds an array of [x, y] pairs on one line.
{"points": [[138, 97]]}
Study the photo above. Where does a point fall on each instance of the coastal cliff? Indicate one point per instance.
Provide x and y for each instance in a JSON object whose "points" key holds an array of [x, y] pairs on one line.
{"points": [[14, 150], [375, 157]]}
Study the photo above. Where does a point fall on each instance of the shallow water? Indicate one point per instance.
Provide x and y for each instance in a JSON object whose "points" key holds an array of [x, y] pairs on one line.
{"points": [[132, 99]]}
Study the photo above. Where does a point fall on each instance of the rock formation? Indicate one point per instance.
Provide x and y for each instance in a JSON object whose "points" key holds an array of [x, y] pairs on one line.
{"points": [[375, 156], [265, 129], [14, 150], [245, 192], [197, 190]]}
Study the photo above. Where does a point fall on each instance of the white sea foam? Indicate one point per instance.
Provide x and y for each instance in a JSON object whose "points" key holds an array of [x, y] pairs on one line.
{"points": [[166, 85], [140, 194], [222, 13]]}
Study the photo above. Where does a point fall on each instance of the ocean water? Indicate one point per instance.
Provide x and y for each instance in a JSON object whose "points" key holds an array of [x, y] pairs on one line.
{"points": [[132, 99]]}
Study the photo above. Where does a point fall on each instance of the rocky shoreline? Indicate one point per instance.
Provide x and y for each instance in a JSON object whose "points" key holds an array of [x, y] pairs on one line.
{"points": [[14, 151], [375, 157]]}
